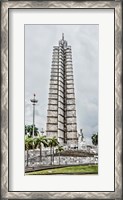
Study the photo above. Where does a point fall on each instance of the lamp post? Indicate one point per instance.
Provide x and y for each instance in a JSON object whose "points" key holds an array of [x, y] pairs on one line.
{"points": [[42, 131], [81, 133], [34, 101]]}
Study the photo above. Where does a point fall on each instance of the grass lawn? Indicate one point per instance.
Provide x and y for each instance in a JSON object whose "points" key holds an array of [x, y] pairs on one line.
{"points": [[65, 170]]}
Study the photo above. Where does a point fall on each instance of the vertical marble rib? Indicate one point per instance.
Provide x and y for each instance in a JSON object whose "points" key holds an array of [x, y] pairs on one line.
{"points": [[61, 117]]}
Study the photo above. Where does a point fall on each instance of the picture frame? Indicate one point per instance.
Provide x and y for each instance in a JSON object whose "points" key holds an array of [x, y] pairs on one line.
{"points": [[5, 120]]}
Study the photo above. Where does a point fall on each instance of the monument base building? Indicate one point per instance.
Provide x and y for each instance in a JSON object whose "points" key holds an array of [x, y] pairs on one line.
{"points": [[61, 114]]}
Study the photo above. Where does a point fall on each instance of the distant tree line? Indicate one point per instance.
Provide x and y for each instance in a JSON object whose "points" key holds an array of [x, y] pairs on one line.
{"points": [[29, 130]]}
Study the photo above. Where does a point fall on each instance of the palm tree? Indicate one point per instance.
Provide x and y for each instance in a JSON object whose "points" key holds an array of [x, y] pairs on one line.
{"points": [[53, 142], [95, 139], [59, 150], [38, 142], [28, 142]]}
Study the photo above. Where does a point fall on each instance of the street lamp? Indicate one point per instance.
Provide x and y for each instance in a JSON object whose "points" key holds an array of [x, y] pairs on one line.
{"points": [[81, 133], [42, 131], [34, 101]]}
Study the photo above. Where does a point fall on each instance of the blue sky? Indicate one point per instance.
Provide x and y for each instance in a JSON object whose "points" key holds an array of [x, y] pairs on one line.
{"points": [[39, 42]]}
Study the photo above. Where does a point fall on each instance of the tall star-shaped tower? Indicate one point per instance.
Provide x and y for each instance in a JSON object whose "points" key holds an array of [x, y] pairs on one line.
{"points": [[61, 115]]}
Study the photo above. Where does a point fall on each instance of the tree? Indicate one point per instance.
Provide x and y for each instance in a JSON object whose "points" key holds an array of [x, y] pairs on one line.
{"points": [[29, 129], [28, 143], [95, 139], [53, 142], [59, 150], [38, 142]]}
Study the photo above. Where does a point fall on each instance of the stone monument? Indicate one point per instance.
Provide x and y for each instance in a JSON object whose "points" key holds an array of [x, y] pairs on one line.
{"points": [[61, 114]]}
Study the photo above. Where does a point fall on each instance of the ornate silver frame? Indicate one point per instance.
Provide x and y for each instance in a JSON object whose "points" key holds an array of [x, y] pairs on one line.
{"points": [[117, 6]]}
